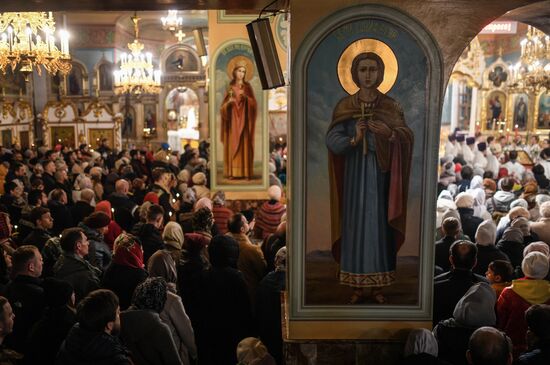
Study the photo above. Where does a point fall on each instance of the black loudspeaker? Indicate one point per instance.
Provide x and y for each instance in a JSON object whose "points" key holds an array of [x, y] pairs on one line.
{"points": [[265, 53], [199, 42]]}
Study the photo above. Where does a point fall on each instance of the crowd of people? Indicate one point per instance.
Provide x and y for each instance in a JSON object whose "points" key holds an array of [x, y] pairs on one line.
{"points": [[491, 298], [128, 258]]}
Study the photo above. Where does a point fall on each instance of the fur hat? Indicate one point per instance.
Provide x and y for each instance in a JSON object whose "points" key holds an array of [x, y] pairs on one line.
{"points": [[470, 141], [199, 178], [274, 192], [464, 200], [183, 175], [482, 146], [535, 265], [486, 233], [490, 184], [97, 220], [460, 138]]}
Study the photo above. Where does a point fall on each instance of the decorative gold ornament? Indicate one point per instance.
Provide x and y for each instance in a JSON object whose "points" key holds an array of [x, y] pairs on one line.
{"points": [[27, 42], [241, 61], [136, 74], [391, 67]]}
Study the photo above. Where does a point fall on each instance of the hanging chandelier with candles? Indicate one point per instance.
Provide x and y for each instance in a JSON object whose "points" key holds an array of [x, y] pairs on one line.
{"points": [[172, 22], [27, 42], [136, 74], [532, 72]]}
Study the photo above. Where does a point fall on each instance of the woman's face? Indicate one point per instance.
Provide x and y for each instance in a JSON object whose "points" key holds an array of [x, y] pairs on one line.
{"points": [[240, 73], [367, 74]]}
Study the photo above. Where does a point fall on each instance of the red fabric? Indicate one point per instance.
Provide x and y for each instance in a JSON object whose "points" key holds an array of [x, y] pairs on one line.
{"points": [[151, 197], [132, 257], [113, 231], [105, 207], [221, 218], [194, 242], [458, 167], [502, 172], [511, 309], [268, 218]]}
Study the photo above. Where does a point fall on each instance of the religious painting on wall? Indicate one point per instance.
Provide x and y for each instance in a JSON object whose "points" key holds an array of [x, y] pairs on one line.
{"points": [[181, 60], [6, 138], [237, 120], [62, 135], [24, 139], [496, 109], [150, 116], [75, 81], [95, 135], [521, 112], [105, 76], [128, 121], [361, 149], [543, 119], [182, 105], [12, 84]]}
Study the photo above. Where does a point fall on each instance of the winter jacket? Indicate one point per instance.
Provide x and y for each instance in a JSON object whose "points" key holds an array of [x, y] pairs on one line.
{"points": [[500, 202], [221, 217], [61, 217], [539, 355], [514, 251], [38, 237], [150, 237], [81, 210], [123, 280], [268, 312], [442, 254], [268, 218], [469, 221], [103, 254], [83, 276], [148, 338], [486, 254], [452, 339], [511, 307], [83, 347]]}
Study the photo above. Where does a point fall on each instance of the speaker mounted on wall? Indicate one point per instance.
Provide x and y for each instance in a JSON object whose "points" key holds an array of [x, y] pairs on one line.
{"points": [[265, 53], [199, 42]]}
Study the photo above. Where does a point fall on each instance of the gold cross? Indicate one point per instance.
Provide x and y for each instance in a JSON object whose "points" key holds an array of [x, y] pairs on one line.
{"points": [[179, 35]]}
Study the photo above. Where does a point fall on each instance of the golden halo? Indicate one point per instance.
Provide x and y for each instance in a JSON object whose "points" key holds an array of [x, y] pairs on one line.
{"points": [[367, 45], [248, 64]]}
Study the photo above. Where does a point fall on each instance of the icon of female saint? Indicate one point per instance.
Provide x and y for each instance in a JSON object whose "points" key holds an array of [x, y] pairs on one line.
{"points": [[238, 121], [370, 150]]}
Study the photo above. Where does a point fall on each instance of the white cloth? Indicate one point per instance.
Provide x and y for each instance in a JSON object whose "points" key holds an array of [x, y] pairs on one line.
{"points": [[515, 169], [492, 165], [451, 149], [468, 154], [480, 160], [546, 165], [421, 341]]}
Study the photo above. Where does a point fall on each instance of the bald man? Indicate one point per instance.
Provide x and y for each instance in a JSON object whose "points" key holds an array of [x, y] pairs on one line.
{"points": [[124, 207], [489, 346]]}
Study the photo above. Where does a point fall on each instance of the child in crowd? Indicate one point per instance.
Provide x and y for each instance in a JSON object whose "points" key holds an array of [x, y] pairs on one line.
{"points": [[500, 275]]}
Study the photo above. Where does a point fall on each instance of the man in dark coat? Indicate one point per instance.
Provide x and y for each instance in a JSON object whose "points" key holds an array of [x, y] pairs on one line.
{"points": [[149, 232], [26, 294], [538, 334], [161, 177], [72, 267], [449, 287], [465, 205], [92, 340], [123, 206], [487, 252], [62, 182], [47, 176], [451, 228], [82, 208], [60, 212], [43, 222]]}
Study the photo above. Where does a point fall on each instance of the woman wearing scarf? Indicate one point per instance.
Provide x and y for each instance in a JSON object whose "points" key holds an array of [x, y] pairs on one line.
{"points": [[126, 270], [163, 262], [524, 225], [113, 229], [523, 293], [512, 245]]}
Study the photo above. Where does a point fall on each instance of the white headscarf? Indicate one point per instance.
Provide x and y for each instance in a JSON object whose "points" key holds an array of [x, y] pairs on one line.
{"points": [[421, 341]]}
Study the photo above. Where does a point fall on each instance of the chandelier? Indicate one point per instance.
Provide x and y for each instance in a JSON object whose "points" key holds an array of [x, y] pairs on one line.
{"points": [[27, 41], [172, 22], [136, 74], [532, 72]]}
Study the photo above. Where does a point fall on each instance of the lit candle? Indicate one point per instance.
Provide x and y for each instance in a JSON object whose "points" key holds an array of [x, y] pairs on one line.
{"points": [[10, 36], [28, 30]]}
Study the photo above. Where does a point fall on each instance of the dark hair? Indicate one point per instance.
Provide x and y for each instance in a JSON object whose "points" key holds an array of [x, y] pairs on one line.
{"points": [[488, 175], [538, 169], [488, 350], [57, 194], [10, 186], [367, 56], [97, 309], [36, 182], [451, 226], [467, 172], [16, 166], [507, 184], [202, 220], [223, 251], [513, 155], [464, 254], [538, 320], [37, 213], [502, 268], [490, 139], [21, 257], [153, 212], [151, 294], [34, 196], [69, 238], [235, 223], [158, 172]]}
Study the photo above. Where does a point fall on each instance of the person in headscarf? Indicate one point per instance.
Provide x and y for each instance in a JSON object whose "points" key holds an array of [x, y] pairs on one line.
{"points": [[486, 248], [225, 313], [113, 229], [142, 330], [465, 206], [421, 348], [445, 202], [251, 351], [163, 262], [530, 190], [542, 227], [476, 309], [268, 306], [126, 271], [524, 225], [512, 245], [221, 212], [518, 210], [523, 293], [199, 185]]}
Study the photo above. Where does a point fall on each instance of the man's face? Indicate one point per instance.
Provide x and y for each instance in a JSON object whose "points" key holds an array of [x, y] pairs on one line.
{"points": [[20, 171], [6, 324], [17, 192], [83, 246], [64, 199], [46, 221], [50, 168], [245, 227], [43, 199], [38, 263]]}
